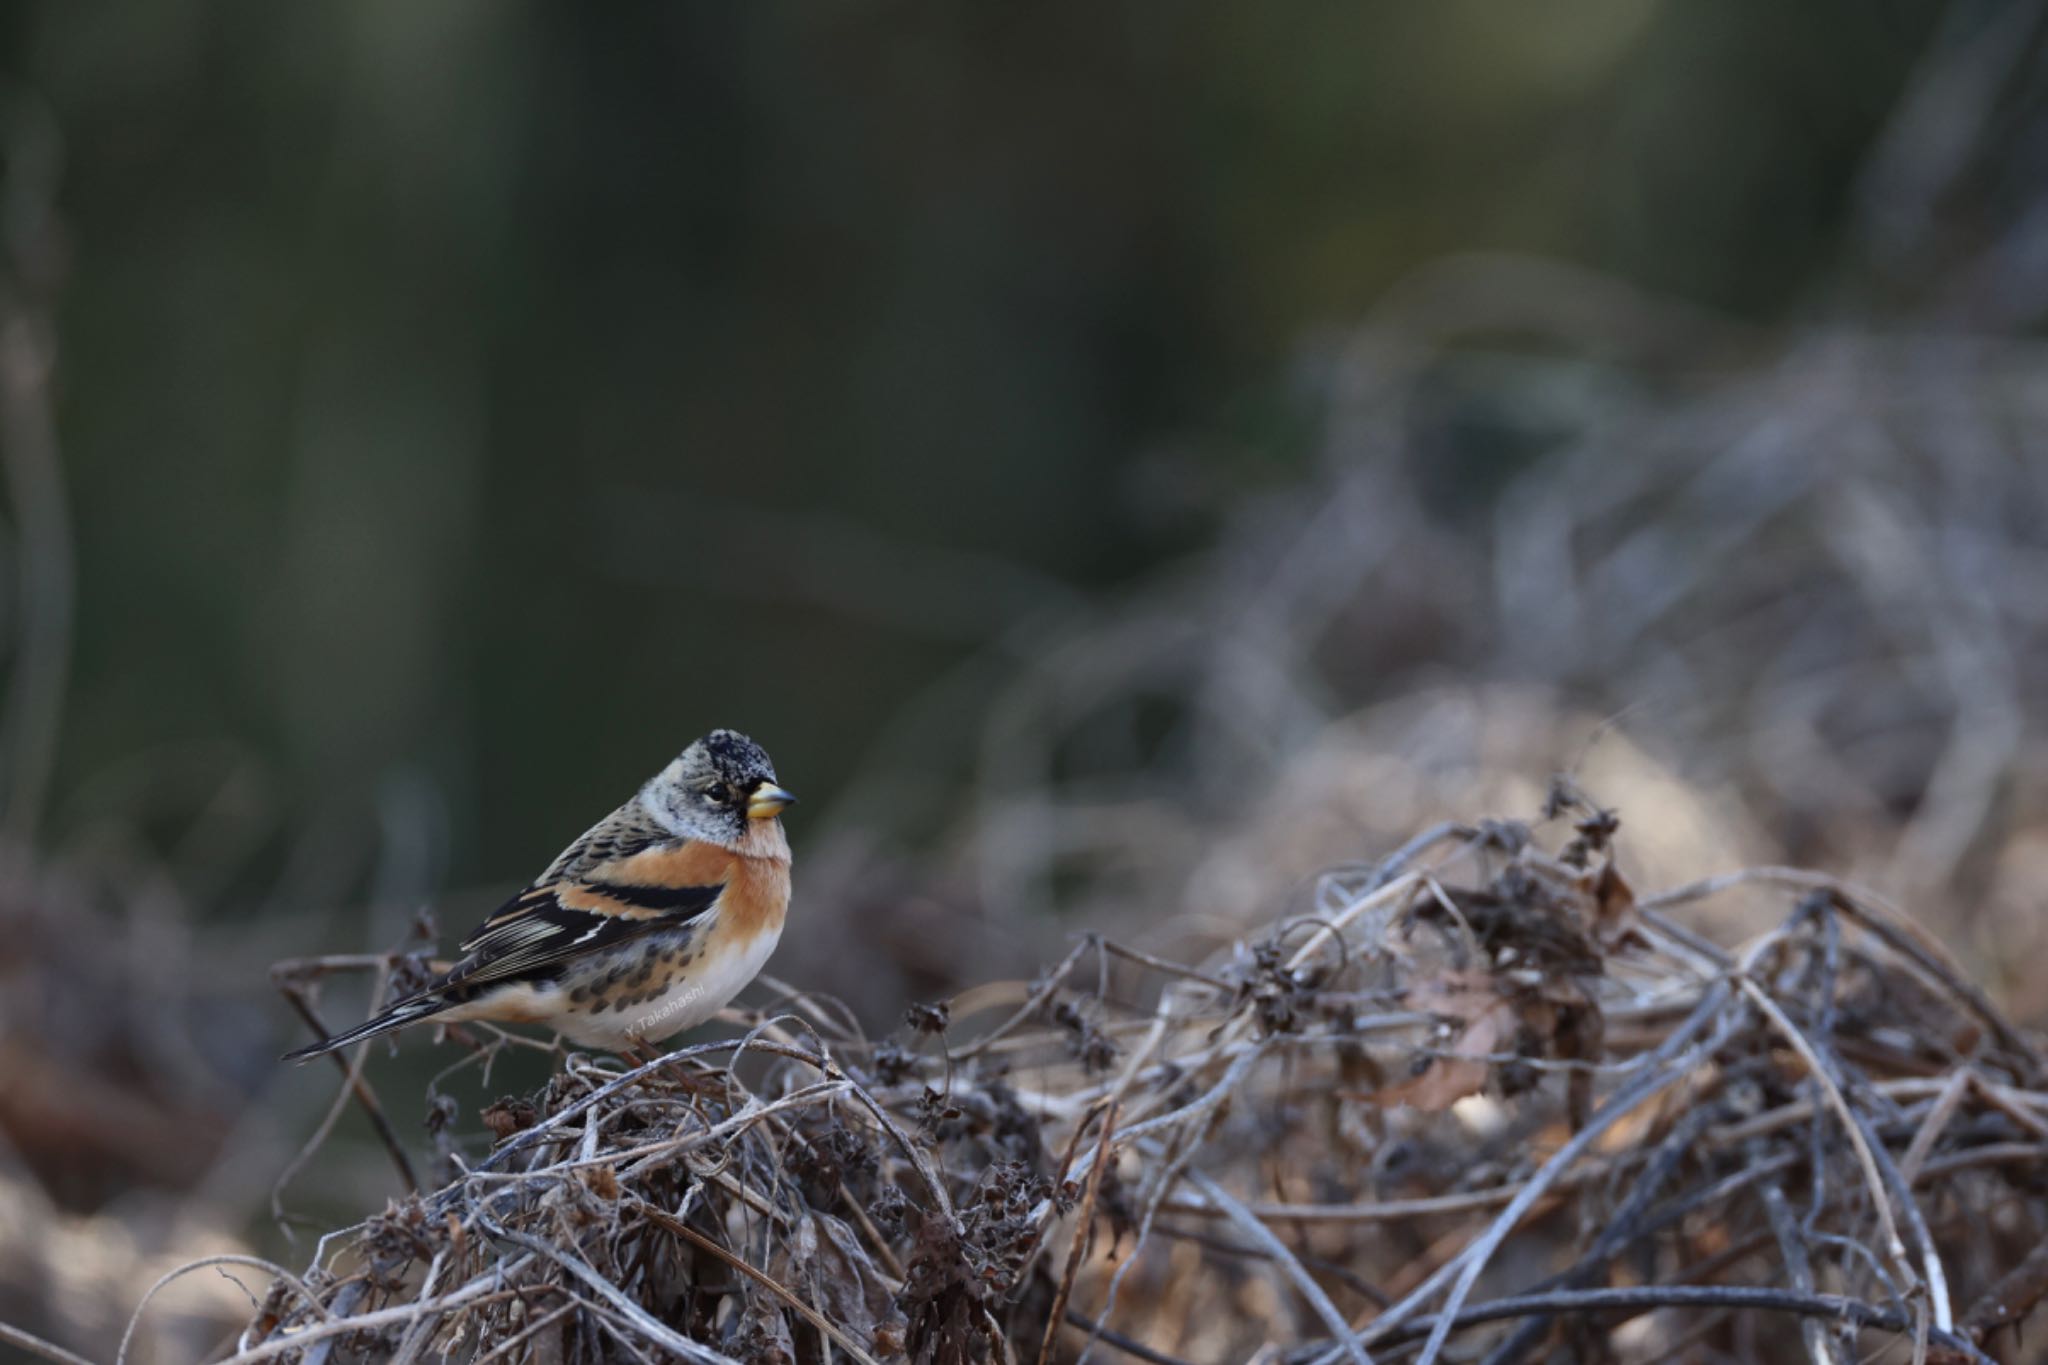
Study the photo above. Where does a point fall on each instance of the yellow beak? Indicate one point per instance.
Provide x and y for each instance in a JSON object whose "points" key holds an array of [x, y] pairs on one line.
{"points": [[767, 802]]}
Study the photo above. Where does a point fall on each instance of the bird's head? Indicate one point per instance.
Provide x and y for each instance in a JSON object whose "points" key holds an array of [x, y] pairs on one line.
{"points": [[715, 789]]}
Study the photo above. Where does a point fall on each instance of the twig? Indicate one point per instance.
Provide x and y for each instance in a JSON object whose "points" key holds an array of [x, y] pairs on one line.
{"points": [[1823, 1077], [1671, 1061], [1916, 1223], [254, 1262], [1046, 987], [1936, 1122], [760, 1277], [1798, 1269], [352, 1076], [35, 1345], [2012, 1298], [1620, 1230], [642, 1321], [525, 1333], [1164, 966], [1854, 1312], [1130, 1346], [1084, 1223], [1322, 1265], [1262, 1236]]}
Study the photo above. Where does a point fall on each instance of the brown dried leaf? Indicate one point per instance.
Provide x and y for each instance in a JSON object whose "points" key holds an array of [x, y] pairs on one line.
{"points": [[1613, 901], [510, 1115], [603, 1182], [1489, 1020]]}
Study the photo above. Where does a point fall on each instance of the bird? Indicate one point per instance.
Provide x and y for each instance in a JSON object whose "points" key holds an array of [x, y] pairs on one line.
{"points": [[643, 927]]}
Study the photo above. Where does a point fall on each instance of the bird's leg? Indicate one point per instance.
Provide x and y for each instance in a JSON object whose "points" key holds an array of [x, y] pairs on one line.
{"points": [[640, 1052], [679, 1073]]}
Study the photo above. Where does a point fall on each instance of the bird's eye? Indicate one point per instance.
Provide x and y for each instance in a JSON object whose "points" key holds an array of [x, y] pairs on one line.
{"points": [[718, 792]]}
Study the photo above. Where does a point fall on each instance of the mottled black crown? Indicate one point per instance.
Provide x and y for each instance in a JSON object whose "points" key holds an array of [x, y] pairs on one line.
{"points": [[737, 759]]}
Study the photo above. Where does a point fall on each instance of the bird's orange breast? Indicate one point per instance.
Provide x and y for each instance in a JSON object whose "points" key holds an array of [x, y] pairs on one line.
{"points": [[756, 898]]}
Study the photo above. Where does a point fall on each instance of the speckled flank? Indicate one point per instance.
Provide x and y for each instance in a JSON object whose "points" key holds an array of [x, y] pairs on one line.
{"points": [[659, 987]]}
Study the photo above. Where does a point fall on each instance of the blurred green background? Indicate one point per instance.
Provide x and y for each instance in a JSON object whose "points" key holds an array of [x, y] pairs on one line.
{"points": [[502, 394]]}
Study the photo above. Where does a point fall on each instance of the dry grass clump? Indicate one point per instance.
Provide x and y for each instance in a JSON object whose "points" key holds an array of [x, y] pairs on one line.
{"points": [[1483, 1101]]}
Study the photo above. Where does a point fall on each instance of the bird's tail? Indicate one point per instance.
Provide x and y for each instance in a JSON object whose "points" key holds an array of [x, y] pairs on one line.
{"points": [[398, 1016]]}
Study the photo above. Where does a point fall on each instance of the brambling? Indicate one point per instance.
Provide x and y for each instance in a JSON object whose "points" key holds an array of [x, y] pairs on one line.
{"points": [[644, 927]]}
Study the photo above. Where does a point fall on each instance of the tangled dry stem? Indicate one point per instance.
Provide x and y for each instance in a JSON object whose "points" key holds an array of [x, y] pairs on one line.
{"points": [[1484, 1098]]}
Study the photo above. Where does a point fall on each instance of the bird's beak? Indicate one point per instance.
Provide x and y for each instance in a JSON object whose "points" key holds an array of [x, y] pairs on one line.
{"points": [[767, 802]]}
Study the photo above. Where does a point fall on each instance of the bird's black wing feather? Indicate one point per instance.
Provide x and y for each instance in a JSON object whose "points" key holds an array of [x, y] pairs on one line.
{"points": [[543, 926]]}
